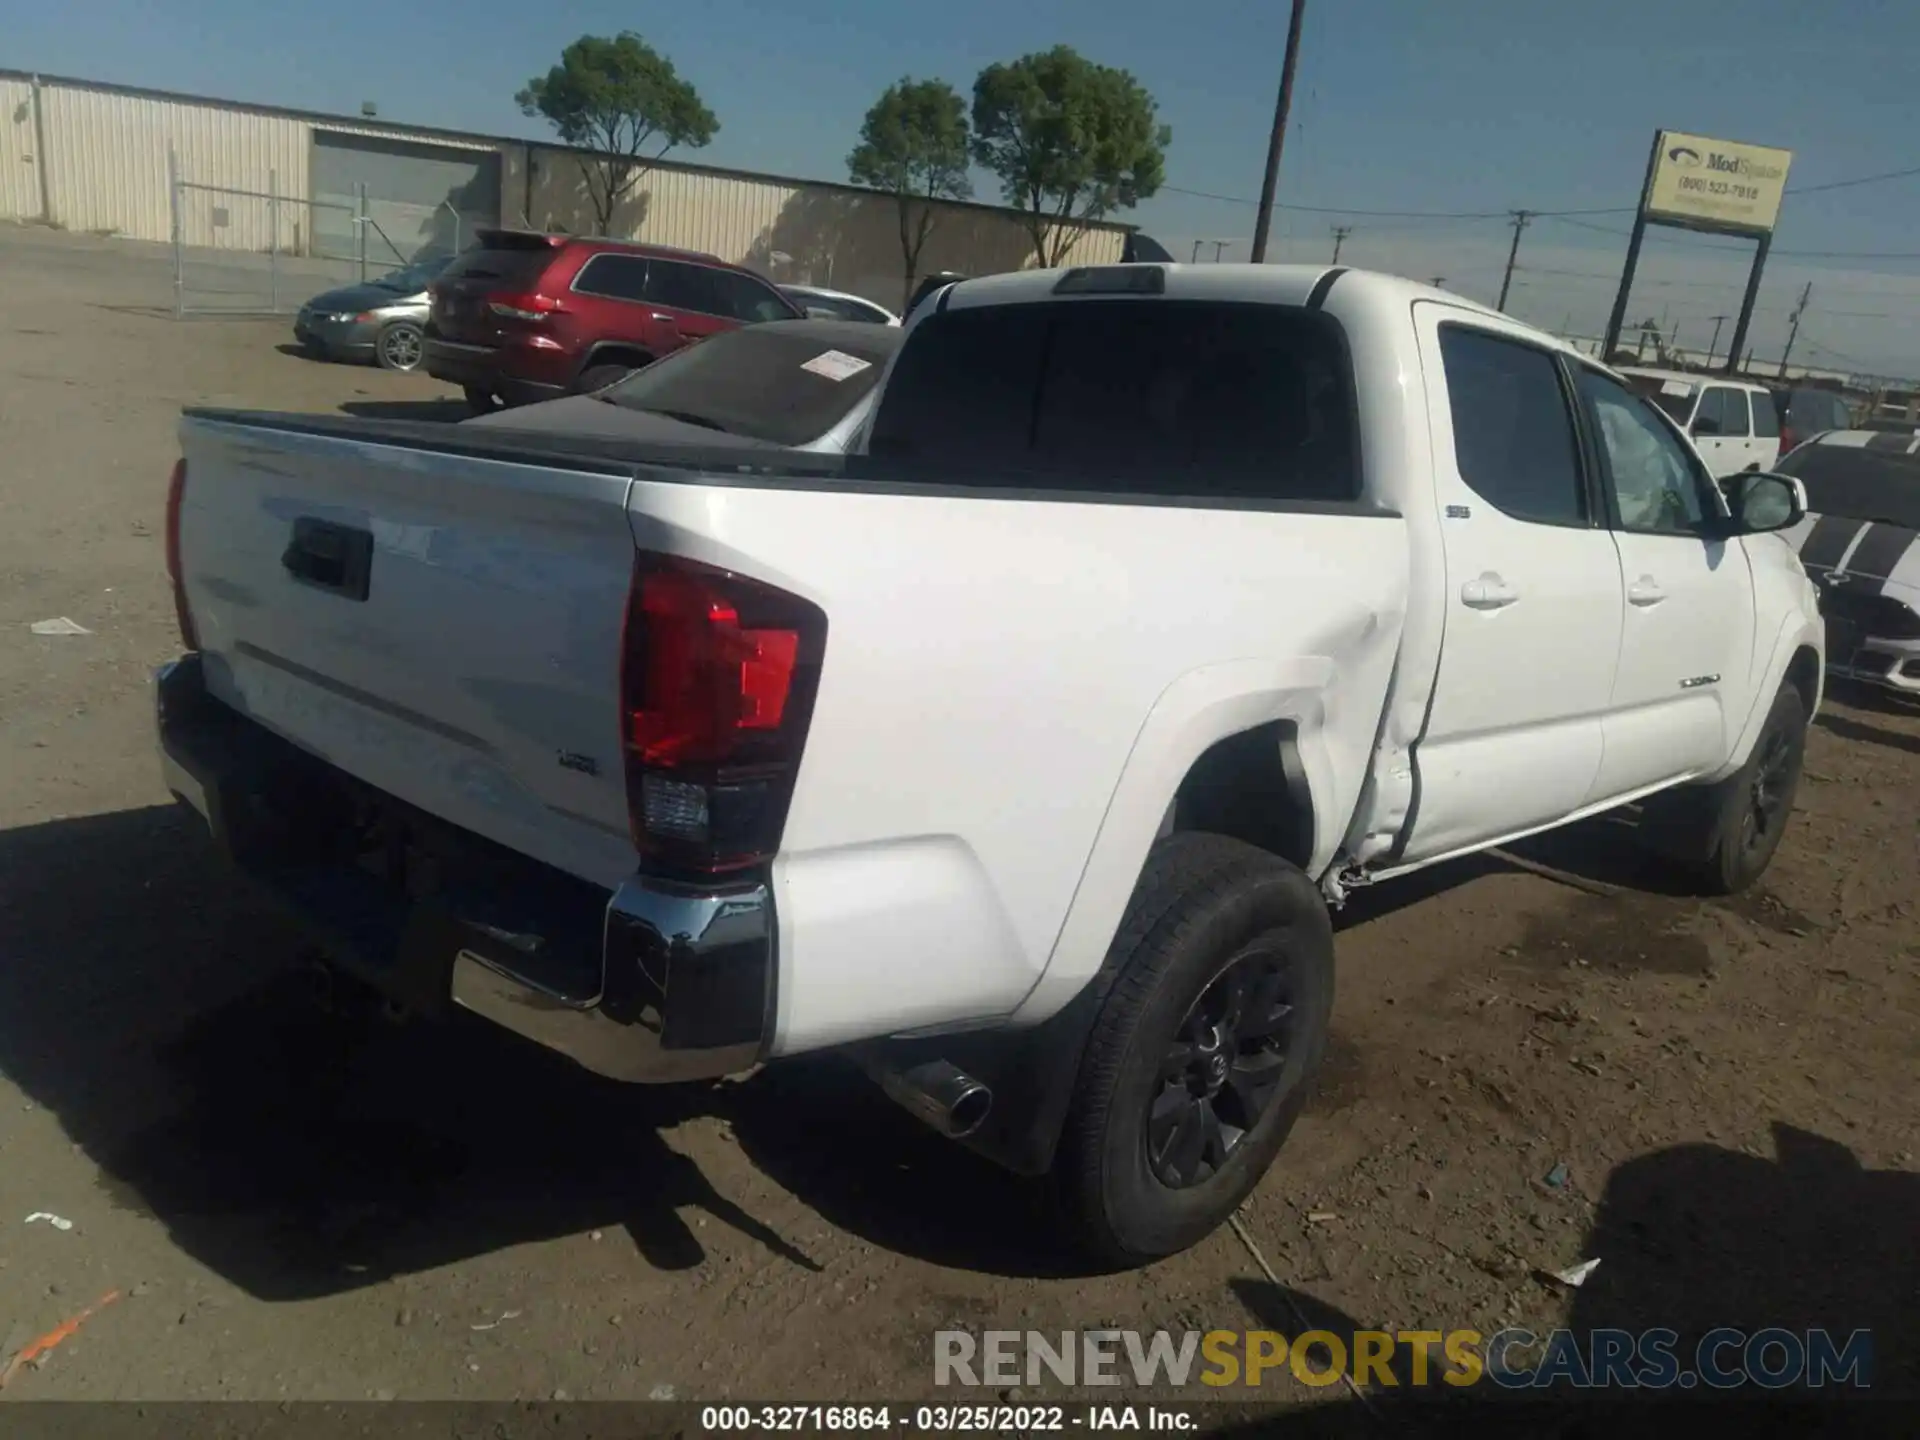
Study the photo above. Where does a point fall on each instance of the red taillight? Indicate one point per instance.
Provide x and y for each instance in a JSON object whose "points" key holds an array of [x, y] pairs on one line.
{"points": [[513, 305], [718, 674], [176, 495], [1787, 442]]}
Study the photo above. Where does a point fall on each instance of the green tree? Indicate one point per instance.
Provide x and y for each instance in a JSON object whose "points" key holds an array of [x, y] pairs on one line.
{"points": [[1071, 141], [913, 145], [616, 97]]}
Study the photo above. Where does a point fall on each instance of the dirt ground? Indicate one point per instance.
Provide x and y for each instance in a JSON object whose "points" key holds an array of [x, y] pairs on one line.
{"points": [[289, 1208]]}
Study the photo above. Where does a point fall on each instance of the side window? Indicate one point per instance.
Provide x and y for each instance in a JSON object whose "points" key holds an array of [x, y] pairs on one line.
{"points": [[1732, 410], [1766, 415], [746, 298], [682, 287], [1653, 476], [617, 277], [1513, 437], [1711, 417]]}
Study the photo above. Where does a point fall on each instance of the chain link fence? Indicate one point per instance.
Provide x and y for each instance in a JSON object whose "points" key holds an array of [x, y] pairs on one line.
{"points": [[262, 252]]}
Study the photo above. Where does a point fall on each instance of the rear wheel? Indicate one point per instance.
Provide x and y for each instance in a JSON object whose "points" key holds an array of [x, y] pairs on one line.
{"points": [[1202, 1053], [1724, 835], [400, 346]]}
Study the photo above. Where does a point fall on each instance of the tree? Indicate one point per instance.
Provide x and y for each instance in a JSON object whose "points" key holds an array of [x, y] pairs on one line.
{"points": [[913, 145], [1071, 141], [615, 97]]}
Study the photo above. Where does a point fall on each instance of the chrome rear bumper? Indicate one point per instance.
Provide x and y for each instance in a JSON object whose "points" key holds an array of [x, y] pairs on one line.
{"points": [[657, 982]]}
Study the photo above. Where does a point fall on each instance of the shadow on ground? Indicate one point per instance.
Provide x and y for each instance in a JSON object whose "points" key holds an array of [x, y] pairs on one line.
{"points": [[158, 1012], [450, 410], [1690, 1239], [1848, 728]]}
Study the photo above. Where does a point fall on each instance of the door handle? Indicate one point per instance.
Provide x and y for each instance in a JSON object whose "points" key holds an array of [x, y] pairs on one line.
{"points": [[1645, 591], [1489, 592], [663, 319]]}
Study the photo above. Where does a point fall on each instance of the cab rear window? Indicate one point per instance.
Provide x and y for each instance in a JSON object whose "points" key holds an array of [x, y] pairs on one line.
{"points": [[1199, 399]]}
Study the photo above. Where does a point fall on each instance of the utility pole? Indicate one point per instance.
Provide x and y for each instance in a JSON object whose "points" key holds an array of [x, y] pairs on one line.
{"points": [[1196, 252], [1520, 219], [1793, 328], [1263, 222], [1218, 246], [1439, 282], [1340, 233], [1713, 345]]}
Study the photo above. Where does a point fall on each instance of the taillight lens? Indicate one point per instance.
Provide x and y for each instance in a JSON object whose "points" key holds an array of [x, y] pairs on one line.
{"points": [[513, 306], [1787, 442], [176, 495], [718, 677]]}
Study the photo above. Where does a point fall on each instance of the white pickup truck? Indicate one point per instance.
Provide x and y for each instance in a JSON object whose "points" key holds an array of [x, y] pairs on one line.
{"points": [[1019, 755]]}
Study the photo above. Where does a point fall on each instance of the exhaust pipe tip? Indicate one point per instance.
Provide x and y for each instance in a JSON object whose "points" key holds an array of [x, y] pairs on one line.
{"points": [[939, 1094]]}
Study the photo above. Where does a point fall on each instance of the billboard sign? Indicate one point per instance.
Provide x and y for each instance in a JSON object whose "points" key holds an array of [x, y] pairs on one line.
{"points": [[1717, 184]]}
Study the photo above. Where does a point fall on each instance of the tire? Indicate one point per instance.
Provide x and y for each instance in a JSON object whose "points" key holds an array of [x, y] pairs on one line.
{"points": [[1723, 836], [400, 346], [598, 377], [1206, 909], [481, 402]]}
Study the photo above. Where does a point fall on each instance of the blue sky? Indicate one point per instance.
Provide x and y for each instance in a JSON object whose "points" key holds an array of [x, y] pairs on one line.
{"points": [[1402, 105]]}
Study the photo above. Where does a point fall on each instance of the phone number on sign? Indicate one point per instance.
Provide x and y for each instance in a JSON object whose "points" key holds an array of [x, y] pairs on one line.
{"points": [[1023, 1419]]}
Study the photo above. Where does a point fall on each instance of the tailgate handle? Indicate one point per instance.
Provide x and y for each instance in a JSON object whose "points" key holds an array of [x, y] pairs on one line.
{"points": [[335, 558]]}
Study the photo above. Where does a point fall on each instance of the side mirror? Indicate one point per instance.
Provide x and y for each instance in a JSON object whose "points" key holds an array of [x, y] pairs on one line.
{"points": [[1762, 502]]}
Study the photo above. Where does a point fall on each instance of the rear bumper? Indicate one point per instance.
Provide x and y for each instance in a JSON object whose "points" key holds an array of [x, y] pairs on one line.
{"points": [[483, 367], [655, 982]]}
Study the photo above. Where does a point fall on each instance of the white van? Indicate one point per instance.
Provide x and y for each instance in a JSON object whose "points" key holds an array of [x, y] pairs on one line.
{"points": [[1733, 423]]}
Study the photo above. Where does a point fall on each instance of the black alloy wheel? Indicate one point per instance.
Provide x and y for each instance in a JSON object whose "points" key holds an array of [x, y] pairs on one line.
{"points": [[1223, 1069], [1770, 792]]}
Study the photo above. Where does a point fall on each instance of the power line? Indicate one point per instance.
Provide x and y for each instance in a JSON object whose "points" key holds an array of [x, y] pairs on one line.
{"points": [[1700, 244], [1857, 180]]}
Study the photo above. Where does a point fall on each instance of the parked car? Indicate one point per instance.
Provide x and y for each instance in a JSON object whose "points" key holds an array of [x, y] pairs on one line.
{"points": [[797, 384], [1733, 422], [1861, 544], [1806, 410], [1019, 755], [838, 305], [521, 317], [383, 320]]}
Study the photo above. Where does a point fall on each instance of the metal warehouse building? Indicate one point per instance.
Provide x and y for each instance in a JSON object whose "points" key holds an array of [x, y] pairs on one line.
{"points": [[112, 159]]}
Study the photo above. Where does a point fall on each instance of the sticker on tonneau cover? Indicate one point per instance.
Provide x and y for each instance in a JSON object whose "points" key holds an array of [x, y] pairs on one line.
{"points": [[1675, 387], [837, 365]]}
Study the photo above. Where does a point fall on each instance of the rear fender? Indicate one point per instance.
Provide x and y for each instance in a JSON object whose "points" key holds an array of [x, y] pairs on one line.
{"points": [[1194, 713]]}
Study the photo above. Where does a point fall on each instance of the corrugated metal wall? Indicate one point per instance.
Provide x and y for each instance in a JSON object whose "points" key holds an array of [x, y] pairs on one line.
{"points": [[107, 171], [107, 165], [19, 165]]}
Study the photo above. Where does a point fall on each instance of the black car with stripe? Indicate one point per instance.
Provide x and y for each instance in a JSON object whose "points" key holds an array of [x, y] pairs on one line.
{"points": [[1860, 543]]}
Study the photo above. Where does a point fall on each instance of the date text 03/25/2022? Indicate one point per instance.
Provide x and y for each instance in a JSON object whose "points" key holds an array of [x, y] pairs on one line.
{"points": [[943, 1419]]}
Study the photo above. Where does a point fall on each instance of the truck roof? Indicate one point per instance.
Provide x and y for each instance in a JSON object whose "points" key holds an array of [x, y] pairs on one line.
{"points": [[1254, 284]]}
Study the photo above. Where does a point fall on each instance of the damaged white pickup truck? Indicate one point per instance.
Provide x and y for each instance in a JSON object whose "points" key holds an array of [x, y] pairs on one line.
{"points": [[1019, 755]]}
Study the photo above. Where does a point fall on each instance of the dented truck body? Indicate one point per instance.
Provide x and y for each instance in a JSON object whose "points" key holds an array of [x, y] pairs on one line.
{"points": [[965, 694]]}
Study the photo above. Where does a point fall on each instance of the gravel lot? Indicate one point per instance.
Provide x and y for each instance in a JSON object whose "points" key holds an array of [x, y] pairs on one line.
{"points": [[291, 1207]]}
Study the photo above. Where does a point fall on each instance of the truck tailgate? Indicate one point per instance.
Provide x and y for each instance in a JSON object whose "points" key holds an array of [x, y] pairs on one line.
{"points": [[443, 626]]}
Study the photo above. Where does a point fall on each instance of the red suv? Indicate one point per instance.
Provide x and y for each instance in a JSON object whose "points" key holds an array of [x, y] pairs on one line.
{"points": [[522, 317]]}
